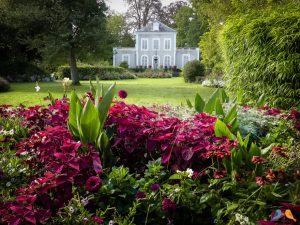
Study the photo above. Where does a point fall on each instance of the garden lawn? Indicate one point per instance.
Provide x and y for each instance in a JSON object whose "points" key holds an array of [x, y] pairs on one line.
{"points": [[142, 91]]}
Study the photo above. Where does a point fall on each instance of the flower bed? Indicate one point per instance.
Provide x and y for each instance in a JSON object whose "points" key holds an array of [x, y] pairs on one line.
{"points": [[163, 169]]}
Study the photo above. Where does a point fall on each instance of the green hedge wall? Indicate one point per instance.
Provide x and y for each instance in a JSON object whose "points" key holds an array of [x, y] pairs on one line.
{"points": [[90, 72], [262, 56]]}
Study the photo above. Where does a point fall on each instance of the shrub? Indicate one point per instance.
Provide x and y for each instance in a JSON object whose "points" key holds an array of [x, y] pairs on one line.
{"points": [[149, 73], [4, 85], [124, 65], [87, 72], [261, 53], [192, 71]]}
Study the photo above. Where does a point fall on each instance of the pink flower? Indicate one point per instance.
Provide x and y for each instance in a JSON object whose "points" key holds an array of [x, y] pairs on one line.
{"points": [[219, 174], [260, 181], [93, 184], [140, 195], [122, 94], [97, 219], [258, 160], [168, 205], [295, 114]]}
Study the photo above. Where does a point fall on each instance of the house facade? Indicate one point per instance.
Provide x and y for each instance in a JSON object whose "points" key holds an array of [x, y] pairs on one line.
{"points": [[155, 47]]}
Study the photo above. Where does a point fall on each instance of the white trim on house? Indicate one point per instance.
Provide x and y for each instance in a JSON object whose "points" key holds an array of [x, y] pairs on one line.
{"points": [[170, 60], [147, 41], [123, 58], [137, 48], [158, 61], [167, 39], [184, 55], [156, 39], [198, 54], [175, 36], [147, 62]]}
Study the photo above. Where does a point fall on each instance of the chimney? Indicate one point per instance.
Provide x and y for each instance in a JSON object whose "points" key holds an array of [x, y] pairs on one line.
{"points": [[155, 26]]}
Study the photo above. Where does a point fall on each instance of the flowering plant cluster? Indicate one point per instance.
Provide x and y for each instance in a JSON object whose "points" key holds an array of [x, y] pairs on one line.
{"points": [[163, 169]]}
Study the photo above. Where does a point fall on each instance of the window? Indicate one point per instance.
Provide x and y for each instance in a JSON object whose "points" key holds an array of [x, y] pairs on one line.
{"points": [[167, 60], [185, 59], [126, 58], [144, 61], [155, 44], [144, 44], [167, 44]]}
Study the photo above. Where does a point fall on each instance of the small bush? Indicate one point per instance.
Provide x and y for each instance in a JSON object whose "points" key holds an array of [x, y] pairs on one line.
{"points": [[124, 65], [149, 73], [87, 72], [4, 85], [192, 71]]}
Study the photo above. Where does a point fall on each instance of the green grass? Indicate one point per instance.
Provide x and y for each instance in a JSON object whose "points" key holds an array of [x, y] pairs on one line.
{"points": [[141, 91]]}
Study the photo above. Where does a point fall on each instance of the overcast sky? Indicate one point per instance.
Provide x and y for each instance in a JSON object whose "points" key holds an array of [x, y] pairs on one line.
{"points": [[120, 6]]}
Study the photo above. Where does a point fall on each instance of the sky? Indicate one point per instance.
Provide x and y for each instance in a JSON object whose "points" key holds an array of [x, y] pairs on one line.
{"points": [[120, 6]]}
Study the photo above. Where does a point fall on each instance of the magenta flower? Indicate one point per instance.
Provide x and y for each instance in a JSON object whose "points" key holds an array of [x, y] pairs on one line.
{"points": [[122, 94], [97, 219], [295, 114], [219, 174], [168, 205], [155, 187], [93, 184], [258, 160], [140, 195], [260, 181]]}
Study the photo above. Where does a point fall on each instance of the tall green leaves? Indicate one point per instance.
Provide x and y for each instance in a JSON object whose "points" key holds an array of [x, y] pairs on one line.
{"points": [[261, 53], [87, 122]]}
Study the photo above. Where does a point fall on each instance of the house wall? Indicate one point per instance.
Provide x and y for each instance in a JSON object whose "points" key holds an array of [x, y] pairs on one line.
{"points": [[120, 53], [192, 53], [151, 52]]}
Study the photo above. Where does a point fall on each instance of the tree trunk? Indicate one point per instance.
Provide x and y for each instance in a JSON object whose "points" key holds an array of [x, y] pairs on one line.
{"points": [[73, 67]]}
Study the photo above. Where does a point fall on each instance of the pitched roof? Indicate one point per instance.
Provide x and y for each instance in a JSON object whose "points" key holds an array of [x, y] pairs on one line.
{"points": [[162, 27]]}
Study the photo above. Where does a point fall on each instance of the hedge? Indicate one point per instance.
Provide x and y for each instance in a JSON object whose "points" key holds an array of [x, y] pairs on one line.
{"points": [[262, 56], [90, 72], [193, 70]]}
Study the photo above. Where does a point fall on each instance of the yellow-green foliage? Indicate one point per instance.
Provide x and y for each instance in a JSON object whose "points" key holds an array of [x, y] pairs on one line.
{"points": [[211, 55], [261, 54]]}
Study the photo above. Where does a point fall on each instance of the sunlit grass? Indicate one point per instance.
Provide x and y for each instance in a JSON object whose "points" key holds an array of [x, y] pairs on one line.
{"points": [[140, 91]]}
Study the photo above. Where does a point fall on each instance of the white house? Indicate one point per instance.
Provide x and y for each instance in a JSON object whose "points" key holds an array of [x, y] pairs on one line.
{"points": [[155, 47]]}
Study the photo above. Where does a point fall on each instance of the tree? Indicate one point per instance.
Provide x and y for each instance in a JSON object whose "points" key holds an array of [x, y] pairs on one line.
{"points": [[140, 12], [190, 27], [167, 13], [77, 28]]}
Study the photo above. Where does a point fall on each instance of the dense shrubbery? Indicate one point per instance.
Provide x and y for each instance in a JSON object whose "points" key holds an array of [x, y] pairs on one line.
{"points": [[87, 72], [193, 71], [4, 85], [22, 71], [150, 73], [124, 64], [54, 165], [261, 54]]}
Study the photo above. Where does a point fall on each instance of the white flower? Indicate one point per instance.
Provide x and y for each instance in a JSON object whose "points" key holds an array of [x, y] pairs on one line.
{"points": [[37, 88], [111, 222], [71, 209], [66, 79], [177, 190], [8, 184], [243, 220], [11, 132], [190, 172], [178, 171], [85, 201]]}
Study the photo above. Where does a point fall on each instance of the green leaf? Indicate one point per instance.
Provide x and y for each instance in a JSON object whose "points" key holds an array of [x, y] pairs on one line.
{"points": [[105, 151], [254, 151], [92, 88], [51, 98], [231, 114], [276, 195], [105, 104], [232, 206], [240, 96], [221, 130], [210, 105], [206, 197], [72, 122], [189, 103], [175, 176], [219, 108], [223, 96], [261, 101], [240, 139], [90, 123], [199, 103], [234, 125]]}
